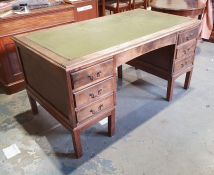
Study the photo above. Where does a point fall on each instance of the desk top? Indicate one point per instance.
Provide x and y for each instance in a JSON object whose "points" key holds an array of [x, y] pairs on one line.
{"points": [[98, 37], [178, 5]]}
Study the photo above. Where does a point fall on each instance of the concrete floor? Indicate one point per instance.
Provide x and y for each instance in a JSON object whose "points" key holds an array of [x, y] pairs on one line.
{"points": [[153, 137]]}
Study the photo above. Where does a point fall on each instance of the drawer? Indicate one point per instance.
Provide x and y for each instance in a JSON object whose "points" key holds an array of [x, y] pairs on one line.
{"points": [[183, 64], [186, 50], [86, 9], [188, 35], [92, 74], [95, 108], [94, 92]]}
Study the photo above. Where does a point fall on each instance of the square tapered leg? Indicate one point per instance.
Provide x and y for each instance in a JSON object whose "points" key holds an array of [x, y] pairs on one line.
{"points": [[170, 88], [77, 142], [187, 79], [111, 124], [33, 105]]}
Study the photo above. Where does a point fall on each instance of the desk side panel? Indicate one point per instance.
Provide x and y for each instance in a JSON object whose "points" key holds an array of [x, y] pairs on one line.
{"points": [[46, 79]]}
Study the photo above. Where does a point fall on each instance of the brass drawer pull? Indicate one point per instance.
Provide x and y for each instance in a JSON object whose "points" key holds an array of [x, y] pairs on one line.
{"points": [[99, 73], [99, 92], [92, 95], [186, 51], [93, 111], [184, 64], [189, 36], [93, 77], [99, 109]]}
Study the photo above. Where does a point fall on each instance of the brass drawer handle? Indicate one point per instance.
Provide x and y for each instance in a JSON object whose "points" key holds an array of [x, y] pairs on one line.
{"points": [[96, 75], [91, 77], [92, 95], [99, 73], [184, 64], [189, 36], [93, 111], [186, 51], [99, 109], [99, 92]]}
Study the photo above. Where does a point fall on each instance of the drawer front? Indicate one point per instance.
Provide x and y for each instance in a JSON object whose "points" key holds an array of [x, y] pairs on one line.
{"points": [[183, 64], [92, 74], [186, 50], [94, 92], [95, 108], [86, 9], [188, 35]]}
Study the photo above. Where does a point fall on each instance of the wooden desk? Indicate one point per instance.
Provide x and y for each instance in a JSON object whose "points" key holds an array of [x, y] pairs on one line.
{"points": [[71, 70], [191, 8]]}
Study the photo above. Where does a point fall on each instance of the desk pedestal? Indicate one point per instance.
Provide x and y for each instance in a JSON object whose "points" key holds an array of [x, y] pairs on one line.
{"points": [[171, 61]]}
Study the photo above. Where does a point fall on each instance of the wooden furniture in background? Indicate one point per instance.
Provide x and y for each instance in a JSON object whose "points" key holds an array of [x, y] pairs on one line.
{"points": [[190, 8], [139, 4], [11, 76], [86, 9], [117, 6], [212, 34], [76, 81]]}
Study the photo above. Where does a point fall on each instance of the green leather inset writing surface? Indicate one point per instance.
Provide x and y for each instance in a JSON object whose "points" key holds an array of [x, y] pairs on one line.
{"points": [[76, 40]]}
